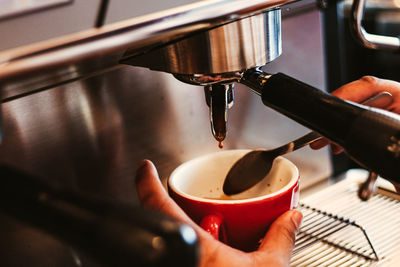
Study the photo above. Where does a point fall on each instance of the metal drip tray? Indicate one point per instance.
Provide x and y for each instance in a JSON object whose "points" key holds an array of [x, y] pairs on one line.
{"points": [[344, 231]]}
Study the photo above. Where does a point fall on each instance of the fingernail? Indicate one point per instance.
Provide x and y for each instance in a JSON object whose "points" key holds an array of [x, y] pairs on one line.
{"points": [[319, 144], [142, 163], [297, 218], [141, 166]]}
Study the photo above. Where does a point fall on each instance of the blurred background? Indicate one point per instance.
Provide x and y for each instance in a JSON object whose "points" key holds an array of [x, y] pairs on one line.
{"points": [[90, 134]]}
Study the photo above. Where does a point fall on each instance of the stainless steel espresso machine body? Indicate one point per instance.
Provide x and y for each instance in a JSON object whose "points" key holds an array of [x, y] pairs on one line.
{"points": [[77, 115], [73, 115], [87, 53], [217, 58], [243, 50]]}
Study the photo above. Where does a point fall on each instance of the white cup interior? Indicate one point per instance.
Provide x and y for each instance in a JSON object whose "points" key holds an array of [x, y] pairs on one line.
{"points": [[202, 178]]}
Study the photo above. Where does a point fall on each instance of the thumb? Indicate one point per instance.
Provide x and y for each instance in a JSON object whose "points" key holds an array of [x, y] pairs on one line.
{"points": [[280, 238], [152, 194]]}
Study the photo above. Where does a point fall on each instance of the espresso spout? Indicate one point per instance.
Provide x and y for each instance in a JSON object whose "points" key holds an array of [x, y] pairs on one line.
{"points": [[216, 58], [219, 98]]}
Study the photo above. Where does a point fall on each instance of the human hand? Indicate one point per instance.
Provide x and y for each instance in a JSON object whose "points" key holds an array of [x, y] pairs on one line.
{"points": [[360, 90], [275, 249]]}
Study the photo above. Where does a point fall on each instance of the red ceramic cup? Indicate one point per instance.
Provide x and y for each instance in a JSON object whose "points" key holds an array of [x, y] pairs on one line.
{"points": [[242, 220]]}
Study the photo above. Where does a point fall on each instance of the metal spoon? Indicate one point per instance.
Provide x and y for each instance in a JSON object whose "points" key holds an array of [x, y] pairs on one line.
{"points": [[255, 165]]}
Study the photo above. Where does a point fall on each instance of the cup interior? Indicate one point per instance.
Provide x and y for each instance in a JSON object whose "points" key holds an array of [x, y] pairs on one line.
{"points": [[202, 178]]}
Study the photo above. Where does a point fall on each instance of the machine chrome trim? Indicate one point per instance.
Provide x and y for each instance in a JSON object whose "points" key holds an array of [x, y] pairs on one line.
{"points": [[87, 52], [369, 40], [11, 8]]}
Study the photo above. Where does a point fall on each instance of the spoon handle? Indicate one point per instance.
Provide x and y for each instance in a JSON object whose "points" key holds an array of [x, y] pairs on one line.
{"points": [[302, 141]]}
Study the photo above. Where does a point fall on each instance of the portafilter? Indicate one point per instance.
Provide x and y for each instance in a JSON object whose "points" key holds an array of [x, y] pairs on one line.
{"points": [[231, 53]]}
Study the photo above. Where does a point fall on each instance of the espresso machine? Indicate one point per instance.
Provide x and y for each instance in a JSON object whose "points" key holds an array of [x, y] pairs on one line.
{"points": [[83, 104]]}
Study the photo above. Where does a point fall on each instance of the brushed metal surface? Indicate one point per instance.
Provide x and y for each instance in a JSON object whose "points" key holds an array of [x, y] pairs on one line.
{"points": [[369, 40], [89, 135], [51, 22], [10, 8], [240, 45], [84, 53]]}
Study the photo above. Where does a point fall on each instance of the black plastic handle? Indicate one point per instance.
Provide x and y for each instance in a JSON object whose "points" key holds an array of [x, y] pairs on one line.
{"points": [[370, 136], [112, 233]]}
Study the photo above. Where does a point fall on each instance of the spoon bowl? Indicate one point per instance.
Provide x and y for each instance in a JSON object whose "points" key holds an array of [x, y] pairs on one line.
{"points": [[255, 165]]}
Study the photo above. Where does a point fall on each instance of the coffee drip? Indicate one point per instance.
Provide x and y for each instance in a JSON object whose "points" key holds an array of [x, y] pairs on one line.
{"points": [[217, 58]]}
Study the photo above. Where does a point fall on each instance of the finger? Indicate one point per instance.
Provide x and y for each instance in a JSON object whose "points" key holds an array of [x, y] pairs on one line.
{"points": [[336, 149], [361, 89], [396, 186], [369, 86], [319, 143], [280, 238], [152, 194]]}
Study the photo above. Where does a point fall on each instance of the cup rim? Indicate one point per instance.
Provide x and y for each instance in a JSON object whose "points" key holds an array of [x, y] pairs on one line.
{"points": [[294, 180]]}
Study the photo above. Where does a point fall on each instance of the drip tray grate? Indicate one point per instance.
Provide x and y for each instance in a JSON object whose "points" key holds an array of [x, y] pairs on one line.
{"points": [[352, 233], [321, 226]]}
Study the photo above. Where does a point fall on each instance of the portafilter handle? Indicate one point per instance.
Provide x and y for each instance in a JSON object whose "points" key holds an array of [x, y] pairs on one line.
{"points": [[370, 136]]}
